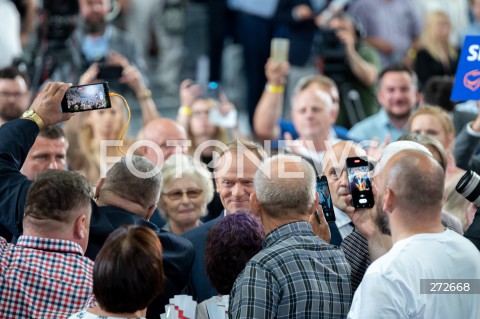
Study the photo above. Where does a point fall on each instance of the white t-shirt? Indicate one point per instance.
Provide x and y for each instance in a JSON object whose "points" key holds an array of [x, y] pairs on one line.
{"points": [[391, 285]]}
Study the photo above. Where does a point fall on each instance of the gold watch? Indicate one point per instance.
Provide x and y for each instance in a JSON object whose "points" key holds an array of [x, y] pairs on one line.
{"points": [[33, 116]]}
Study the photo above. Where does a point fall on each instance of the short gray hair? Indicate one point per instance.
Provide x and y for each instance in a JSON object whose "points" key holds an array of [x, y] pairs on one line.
{"points": [[144, 191], [189, 167], [279, 194]]}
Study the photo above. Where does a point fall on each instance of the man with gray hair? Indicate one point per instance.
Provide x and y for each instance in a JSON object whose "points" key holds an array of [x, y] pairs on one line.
{"points": [[296, 273], [128, 195]]}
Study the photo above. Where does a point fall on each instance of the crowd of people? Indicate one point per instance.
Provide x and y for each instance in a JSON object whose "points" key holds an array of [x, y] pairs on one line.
{"points": [[94, 224]]}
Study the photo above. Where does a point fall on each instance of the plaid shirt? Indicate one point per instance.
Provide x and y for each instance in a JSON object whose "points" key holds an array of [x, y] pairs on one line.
{"points": [[296, 275], [43, 278]]}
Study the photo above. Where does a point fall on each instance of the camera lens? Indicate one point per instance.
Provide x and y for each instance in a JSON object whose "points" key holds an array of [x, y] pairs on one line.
{"points": [[469, 187]]}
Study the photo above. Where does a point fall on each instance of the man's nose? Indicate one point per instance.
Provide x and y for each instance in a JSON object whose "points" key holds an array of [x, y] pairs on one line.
{"points": [[53, 164], [237, 190]]}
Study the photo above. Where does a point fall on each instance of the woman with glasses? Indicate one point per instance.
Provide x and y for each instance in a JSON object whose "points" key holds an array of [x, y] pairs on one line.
{"points": [[196, 104], [187, 189]]}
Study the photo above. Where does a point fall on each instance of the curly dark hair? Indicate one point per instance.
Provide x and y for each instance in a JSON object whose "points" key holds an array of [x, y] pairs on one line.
{"points": [[231, 243]]}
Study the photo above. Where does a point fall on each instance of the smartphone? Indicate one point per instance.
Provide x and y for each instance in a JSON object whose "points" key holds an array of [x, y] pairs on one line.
{"points": [[212, 91], [279, 48], [106, 72], [325, 198], [88, 97], [358, 170]]}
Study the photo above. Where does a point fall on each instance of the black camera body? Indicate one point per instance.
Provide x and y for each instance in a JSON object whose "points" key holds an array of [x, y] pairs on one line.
{"points": [[331, 52]]}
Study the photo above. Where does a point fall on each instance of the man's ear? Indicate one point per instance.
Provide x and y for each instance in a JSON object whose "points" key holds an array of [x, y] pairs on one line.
{"points": [[150, 212], [80, 226], [99, 186], [388, 200], [254, 204]]}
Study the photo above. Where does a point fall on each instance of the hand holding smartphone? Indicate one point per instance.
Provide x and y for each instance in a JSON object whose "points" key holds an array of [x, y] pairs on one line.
{"points": [[88, 97], [360, 185], [325, 198]]}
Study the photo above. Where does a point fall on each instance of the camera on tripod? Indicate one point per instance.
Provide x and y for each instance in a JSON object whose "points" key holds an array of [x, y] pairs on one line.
{"points": [[59, 19]]}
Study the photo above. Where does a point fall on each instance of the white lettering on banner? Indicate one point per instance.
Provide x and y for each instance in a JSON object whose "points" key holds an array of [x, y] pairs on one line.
{"points": [[473, 50]]}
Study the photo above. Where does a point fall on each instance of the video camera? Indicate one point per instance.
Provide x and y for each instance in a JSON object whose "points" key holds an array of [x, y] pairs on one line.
{"points": [[331, 55]]}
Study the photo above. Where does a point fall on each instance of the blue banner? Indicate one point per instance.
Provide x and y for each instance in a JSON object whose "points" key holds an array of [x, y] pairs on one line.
{"points": [[467, 78]]}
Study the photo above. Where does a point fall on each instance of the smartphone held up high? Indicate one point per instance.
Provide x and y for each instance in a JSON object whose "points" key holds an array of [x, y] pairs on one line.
{"points": [[358, 171], [88, 97], [325, 198], [279, 48]]}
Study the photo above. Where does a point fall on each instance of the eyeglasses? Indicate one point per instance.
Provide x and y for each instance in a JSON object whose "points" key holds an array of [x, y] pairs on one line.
{"points": [[15, 95], [200, 113], [178, 194]]}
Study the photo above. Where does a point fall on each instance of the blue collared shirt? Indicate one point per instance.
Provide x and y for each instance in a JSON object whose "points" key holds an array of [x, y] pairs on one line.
{"points": [[378, 125], [296, 275]]}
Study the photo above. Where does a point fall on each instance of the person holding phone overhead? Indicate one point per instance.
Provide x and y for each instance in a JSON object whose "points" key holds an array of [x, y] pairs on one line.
{"points": [[193, 115], [85, 131], [96, 40]]}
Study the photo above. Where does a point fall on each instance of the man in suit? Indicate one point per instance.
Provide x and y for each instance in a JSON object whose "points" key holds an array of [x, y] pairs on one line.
{"points": [[112, 209], [234, 180]]}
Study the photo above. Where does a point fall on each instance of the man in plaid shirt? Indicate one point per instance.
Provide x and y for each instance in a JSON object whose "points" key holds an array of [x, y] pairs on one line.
{"points": [[45, 275], [296, 275]]}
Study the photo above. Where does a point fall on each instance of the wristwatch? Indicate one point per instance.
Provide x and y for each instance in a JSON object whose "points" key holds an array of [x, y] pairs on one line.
{"points": [[33, 116]]}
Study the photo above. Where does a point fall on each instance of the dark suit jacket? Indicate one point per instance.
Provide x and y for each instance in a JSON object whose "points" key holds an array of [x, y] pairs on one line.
{"points": [[16, 139], [473, 232], [300, 33], [464, 151], [199, 285], [178, 254]]}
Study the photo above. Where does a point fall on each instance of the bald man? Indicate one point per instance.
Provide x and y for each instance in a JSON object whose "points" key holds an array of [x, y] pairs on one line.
{"points": [[409, 197], [168, 137]]}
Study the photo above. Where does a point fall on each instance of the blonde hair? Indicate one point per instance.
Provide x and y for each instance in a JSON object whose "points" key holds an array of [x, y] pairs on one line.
{"points": [[90, 163], [220, 133], [429, 40], [438, 113]]}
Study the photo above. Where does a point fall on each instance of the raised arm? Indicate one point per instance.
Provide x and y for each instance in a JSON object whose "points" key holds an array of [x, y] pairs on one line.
{"points": [[16, 139], [269, 108]]}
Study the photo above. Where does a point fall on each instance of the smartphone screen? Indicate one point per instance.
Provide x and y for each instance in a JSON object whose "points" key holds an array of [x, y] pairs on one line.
{"points": [[325, 198], [88, 97], [360, 185]]}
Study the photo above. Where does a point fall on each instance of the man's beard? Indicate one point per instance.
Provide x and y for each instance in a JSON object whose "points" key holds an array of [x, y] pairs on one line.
{"points": [[399, 117], [10, 113], [382, 220], [94, 27]]}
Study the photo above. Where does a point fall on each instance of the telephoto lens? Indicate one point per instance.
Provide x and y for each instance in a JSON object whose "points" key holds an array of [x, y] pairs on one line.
{"points": [[469, 187]]}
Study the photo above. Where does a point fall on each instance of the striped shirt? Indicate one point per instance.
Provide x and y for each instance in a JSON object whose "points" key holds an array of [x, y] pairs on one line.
{"points": [[43, 278], [296, 275], [355, 247]]}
